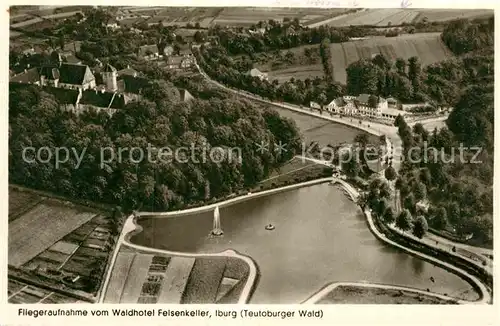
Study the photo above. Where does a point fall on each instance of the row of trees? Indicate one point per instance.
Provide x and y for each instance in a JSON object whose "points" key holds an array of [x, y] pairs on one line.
{"points": [[160, 120], [326, 59]]}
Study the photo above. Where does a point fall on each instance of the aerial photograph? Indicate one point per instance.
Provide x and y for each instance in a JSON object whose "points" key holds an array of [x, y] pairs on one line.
{"points": [[250, 155]]}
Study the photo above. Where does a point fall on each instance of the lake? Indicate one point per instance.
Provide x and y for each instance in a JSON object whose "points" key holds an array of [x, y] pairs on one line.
{"points": [[320, 237]]}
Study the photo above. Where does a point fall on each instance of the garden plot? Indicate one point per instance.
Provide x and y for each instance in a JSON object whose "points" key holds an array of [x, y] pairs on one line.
{"points": [[29, 294], [119, 275], [135, 278], [204, 280], [40, 228], [176, 278]]}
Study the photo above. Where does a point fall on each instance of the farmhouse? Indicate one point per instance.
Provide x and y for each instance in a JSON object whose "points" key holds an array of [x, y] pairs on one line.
{"points": [[257, 73]]}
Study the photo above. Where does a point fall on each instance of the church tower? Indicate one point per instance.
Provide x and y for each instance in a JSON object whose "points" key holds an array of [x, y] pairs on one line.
{"points": [[109, 76]]}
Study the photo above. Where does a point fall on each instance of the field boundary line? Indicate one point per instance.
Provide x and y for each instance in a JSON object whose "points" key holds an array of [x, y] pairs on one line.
{"points": [[14, 294], [127, 277]]}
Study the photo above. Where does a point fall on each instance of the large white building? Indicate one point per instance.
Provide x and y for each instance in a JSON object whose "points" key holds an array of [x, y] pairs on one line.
{"points": [[365, 105]]}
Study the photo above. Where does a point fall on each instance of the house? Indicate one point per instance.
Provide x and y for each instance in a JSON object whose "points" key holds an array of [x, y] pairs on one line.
{"points": [[391, 114], [392, 102], [185, 95], [187, 62], [151, 52], [342, 105], [129, 72], [174, 62], [28, 76], [148, 52], [257, 73], [71, 59], [180, 62], [66, 75], [113, 24], [314, 105], [370, 105]]}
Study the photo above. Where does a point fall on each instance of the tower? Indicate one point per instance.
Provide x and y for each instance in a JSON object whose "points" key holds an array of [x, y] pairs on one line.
{"points": [[109, 76]]}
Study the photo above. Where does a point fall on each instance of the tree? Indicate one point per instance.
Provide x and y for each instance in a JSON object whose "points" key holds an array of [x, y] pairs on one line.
{"points": [[388, 216], [324, 51], [361, 139], [439, 219], [350, 165], [390, 173], [409, 202], [401, 66], [420, 191], [382, 62], [403, 221], [381, 206], [420, 227]]}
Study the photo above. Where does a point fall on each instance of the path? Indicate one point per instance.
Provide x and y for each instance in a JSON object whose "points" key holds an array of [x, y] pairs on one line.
{"points": [[318, 296]]}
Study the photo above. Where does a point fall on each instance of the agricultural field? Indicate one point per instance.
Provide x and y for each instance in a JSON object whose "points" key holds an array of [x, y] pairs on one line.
{"points": [[20, 292], [245, 16], [40, 227], [297, 72], [140, 277], [428, 47], [395, 16], [438, 15]]}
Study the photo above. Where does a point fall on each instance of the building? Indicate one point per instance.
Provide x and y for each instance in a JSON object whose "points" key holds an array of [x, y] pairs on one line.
{"points": [[185, 95], [180, 62], [257, 73], [28, 76], [366, 105], [109, 77], [392, 102], [314, 105], [67, 75], [148, 52], [370, 105], [391, 114], [151, 52]]}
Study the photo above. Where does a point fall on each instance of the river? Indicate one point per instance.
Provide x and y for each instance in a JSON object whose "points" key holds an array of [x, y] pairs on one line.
{"points": [[320, 237]]}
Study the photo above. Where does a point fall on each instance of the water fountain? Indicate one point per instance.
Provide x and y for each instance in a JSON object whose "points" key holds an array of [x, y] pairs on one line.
{"points": [[217, 230]]}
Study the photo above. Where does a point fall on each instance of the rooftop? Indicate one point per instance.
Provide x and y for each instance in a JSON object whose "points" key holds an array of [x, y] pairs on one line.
{"points": [[29, 76], [393, 111], [145, 49]]}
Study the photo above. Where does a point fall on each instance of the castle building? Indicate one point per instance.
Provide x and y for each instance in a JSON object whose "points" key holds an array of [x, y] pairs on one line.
{"points": [[109, 77]]}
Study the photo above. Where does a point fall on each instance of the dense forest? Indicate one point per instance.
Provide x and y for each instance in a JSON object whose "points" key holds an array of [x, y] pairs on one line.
{"points": [[159, 120], [458, 184]]}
